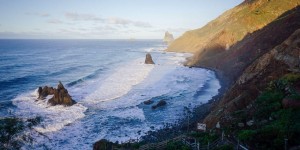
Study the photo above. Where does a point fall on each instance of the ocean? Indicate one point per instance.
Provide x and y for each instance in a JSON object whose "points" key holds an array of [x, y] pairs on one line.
{"points": [[109, 81]]}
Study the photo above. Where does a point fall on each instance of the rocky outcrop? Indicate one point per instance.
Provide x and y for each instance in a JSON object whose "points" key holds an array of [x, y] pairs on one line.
{"points": [[148, 59], [168, 38], [45, 91], [60, 95], [103, 145], [159, 104], [148, 102]]}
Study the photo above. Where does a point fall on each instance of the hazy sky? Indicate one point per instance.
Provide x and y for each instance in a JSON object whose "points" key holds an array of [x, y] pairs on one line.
{"points": [[106, 19]]}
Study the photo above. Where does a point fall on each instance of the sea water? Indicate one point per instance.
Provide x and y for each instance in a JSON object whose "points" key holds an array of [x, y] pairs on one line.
{"points": [[110, 82]]}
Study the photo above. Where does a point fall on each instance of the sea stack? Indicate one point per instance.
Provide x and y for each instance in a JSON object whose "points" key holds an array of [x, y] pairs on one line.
{"points": [[168, 38], [60, 95], [148, 59]]}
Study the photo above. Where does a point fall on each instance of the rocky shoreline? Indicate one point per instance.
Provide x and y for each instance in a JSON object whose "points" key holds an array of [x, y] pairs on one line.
{"points": [[198, 115]]}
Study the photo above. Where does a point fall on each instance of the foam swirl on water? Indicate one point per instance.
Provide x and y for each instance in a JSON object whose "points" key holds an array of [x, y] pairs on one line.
{"points": [[120, 82]]}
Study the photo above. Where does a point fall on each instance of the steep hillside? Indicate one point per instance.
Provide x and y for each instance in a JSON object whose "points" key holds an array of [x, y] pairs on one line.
{"points": [[232, 26], [233, 61], [281, 60]]}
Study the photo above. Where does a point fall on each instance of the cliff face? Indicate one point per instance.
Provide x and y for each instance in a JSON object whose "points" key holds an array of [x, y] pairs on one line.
{"points": [[283, 59], [250, 45], [232, 26]]}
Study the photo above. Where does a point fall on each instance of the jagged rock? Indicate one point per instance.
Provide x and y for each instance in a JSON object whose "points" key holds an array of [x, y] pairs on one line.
{"points": [[148, 102], [159, 104], [168, 38], [148, 59], [60, 95], [44, 92]]}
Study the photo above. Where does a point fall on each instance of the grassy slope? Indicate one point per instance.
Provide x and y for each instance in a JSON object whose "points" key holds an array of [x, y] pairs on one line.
{"points": [[232, 26]]}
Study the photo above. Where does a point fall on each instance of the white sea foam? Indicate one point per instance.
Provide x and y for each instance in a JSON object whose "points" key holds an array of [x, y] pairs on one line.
{"points": [[120, 82], [54, 118], [125, 117]]}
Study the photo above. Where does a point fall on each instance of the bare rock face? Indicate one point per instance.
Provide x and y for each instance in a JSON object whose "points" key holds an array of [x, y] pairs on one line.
{"points": [[60, 95], [168, 38], [44, 92], [148, 59]]}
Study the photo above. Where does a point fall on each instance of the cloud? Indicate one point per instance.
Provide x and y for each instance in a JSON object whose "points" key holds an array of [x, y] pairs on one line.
{"points": [[82, 17], [22, 35], [112, 20], [124, 22], [38, 14], [55, 21]]}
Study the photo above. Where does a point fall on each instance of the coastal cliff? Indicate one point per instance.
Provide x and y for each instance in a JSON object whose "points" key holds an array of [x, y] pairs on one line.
{"points": [[250, 46]]}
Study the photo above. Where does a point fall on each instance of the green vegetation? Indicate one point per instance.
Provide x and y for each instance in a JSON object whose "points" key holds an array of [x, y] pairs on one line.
{"points": [[204, 137], [273, 123], [104, 144], [177, 146], [225, 147], [11, 129]]}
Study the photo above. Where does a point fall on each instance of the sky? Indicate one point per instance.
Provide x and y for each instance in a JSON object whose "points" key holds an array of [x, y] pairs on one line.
{"points": [[105, 19]]}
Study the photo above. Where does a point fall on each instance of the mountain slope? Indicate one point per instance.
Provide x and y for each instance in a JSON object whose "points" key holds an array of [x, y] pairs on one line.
{"points": [[232, 26], [232, 62], [279, 61]]}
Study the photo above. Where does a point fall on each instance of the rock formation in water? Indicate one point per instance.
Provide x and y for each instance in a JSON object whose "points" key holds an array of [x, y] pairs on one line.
{"points": [[148, 102], [168, 38], [60, 95], [159, 104], [45, 91], [148, 59]]}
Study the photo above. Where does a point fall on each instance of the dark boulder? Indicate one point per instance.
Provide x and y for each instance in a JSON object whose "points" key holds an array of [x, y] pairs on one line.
{"points": [[103, 145], [148, 59], [159, 104], [148, 102]]}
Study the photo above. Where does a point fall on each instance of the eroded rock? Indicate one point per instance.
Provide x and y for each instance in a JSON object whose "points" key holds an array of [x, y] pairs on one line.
{"points": [[148, 59], [60, 95]]}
